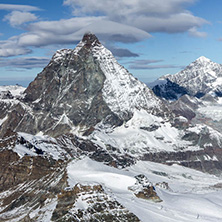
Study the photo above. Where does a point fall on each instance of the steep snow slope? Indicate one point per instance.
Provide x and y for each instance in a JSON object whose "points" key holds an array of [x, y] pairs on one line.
{"points": [[122, 92]]}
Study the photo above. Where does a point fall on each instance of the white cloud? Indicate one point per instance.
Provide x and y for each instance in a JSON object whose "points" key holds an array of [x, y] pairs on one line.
{"points": [[127, 7], [13, 7], [54, 32], [114, 31], [70, 30], [10, 47], [13, 51], [175, 23], [112, 21], [63, 26], [195, 33], [17, 18], [152, 16]]}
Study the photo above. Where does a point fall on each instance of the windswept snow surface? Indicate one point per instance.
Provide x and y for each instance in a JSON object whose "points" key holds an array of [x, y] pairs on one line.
{"points": [[191, 195]]}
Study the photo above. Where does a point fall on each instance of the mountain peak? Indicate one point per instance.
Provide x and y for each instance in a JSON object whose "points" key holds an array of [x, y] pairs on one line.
{"points": [[202, 59], [90, 39]]}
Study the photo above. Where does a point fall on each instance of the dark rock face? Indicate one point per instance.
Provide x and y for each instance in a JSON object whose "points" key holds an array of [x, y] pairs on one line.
{"points": [[26, 169], [185, 106], [29, 183], [72, 85], [169, 91]]}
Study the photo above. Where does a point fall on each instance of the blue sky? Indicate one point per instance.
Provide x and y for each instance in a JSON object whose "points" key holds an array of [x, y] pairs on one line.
{"points": [[150, 38]]}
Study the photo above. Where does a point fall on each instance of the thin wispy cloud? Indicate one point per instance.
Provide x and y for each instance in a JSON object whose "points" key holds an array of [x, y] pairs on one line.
{"points": [[119, 52], [14, 7], [147, 64], [24, 63], [195, 33], [154, 67]]}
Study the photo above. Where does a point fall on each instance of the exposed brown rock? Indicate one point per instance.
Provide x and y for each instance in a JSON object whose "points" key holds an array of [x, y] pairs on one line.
{"points": [[14, 170], [98, 206], [144, 189]]}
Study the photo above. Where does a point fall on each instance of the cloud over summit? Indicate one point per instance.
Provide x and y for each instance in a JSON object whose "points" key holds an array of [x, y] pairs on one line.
{"points": [[121, 21], [168, 16]]}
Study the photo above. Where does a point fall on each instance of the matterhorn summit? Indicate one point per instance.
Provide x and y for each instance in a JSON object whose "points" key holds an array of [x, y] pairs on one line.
{"points": [[80, 88]]}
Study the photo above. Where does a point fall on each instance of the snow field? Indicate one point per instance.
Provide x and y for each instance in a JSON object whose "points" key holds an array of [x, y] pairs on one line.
{"points": [[191, 196]]}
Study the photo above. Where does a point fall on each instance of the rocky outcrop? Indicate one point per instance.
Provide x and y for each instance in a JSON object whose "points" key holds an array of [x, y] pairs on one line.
{"points": [[89, 203], [25, 169], [29, 185], [33, 181], [186, 106], [144, 189]]}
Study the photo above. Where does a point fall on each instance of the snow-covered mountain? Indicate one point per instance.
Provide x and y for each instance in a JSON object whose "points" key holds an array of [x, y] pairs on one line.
{"points": [[86, 93], [76, 146], [194, 93], [199, 78], [80, 88]]}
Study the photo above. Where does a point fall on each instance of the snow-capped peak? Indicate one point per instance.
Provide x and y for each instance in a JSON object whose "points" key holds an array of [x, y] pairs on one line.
{"points": [[200, 76], [90, 87], [202, 59]]}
